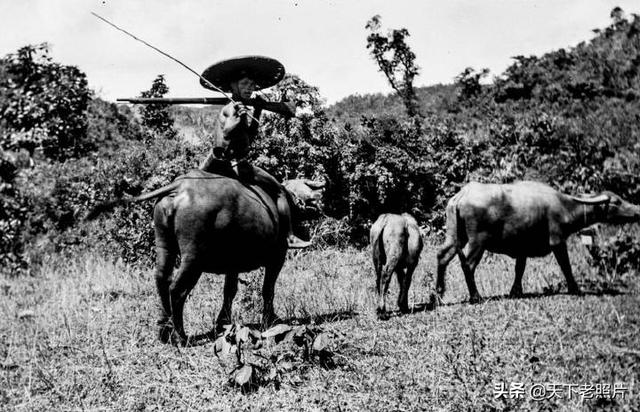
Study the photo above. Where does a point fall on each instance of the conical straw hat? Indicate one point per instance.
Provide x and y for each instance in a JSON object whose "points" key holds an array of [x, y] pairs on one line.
{"points": [[265, 71]]}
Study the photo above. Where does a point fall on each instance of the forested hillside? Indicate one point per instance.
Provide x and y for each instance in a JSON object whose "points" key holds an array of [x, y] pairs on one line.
{"points": [[194, 124], [570, 117], [432, 99]]}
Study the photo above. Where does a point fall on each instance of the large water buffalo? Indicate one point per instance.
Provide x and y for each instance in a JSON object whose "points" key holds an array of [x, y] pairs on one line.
{"points": [[217, 225], [396, 244], [521, 220]]}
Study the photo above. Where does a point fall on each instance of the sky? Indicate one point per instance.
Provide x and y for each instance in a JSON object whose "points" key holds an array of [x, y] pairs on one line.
{"points": [[322, 41]]}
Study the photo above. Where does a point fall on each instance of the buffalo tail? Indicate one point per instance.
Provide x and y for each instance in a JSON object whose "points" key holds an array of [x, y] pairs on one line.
{"points": [[112, 204]]}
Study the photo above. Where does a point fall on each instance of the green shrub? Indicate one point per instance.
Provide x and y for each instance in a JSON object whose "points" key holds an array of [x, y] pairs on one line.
{"points": [[13, 211], [616, 255], [60, 194], [43, 104]]}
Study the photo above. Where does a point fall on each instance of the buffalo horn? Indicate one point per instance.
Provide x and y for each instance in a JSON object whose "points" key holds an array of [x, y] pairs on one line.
{"points": [[596, 200]]}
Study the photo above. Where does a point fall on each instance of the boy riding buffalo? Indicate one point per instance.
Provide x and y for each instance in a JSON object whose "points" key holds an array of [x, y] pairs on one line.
{"points": [[237, 127]]}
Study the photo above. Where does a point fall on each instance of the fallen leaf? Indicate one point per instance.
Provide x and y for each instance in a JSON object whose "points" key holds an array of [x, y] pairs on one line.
{"points": [[242, 335], [276, 330], [221, 347], [273, 373], [243, 375], [321, 342], [218, 345], [300, 334]]}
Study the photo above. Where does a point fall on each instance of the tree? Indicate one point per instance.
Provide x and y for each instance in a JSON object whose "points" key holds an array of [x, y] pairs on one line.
{"points": [[156, 117], [12, 214], [43, 104], [469, 83], [396, 60]]}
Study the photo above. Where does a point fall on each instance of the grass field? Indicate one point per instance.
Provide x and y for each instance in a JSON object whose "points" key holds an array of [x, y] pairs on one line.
{"points": [[81, 335]]}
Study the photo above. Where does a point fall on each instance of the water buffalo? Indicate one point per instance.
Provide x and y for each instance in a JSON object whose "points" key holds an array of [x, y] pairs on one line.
{"points": [[217, 225], [396, 244], [307, 192], [521, 220]]}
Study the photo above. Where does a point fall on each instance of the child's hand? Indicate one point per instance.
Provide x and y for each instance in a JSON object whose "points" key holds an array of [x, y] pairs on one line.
{"points": [[240, 109]]}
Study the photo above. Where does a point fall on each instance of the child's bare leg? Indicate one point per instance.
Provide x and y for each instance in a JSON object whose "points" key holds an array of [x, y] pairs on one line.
{"points": [[277, 192]]}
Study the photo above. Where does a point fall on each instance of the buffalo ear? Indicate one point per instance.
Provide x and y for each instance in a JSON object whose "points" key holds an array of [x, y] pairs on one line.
{"points": [[314, 184], [596, 200], [295, 200]]}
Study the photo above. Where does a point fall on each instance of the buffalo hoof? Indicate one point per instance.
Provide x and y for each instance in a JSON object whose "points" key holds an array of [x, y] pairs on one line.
{"points": [[435, 300], [475, 299], [575, 291], [168, 334], [180, 340], [382, 314], [405, 309], [165, 332], [516, 293]]}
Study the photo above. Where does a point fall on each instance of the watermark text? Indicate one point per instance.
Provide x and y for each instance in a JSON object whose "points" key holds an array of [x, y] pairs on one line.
{"points": [[541, 391]]}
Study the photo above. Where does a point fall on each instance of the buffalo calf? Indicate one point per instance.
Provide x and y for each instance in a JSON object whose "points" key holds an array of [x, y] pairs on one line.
{"points": [[396, 245]]}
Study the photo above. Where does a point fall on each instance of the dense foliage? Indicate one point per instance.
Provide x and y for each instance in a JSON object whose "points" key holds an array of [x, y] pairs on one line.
{"points": [[13, 212], [44, 199], [569, 118], [62, 193], [156, 118], [43, 104]]}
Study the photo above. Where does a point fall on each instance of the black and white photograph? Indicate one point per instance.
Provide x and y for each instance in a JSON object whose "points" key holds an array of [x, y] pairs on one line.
{"points": [[320, 205]]}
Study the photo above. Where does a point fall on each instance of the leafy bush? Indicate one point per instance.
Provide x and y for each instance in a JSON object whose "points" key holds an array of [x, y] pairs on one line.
{"points": [[616, 255], [42, 206], [111, 126], [156, 118], [60, 194], [13, 211], [370, 172], [43, 104], [309, 145], [384, 174], [278, 355]]}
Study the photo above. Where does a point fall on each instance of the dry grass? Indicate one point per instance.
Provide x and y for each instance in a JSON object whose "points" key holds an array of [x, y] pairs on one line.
{"points": [[81, 334]]}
